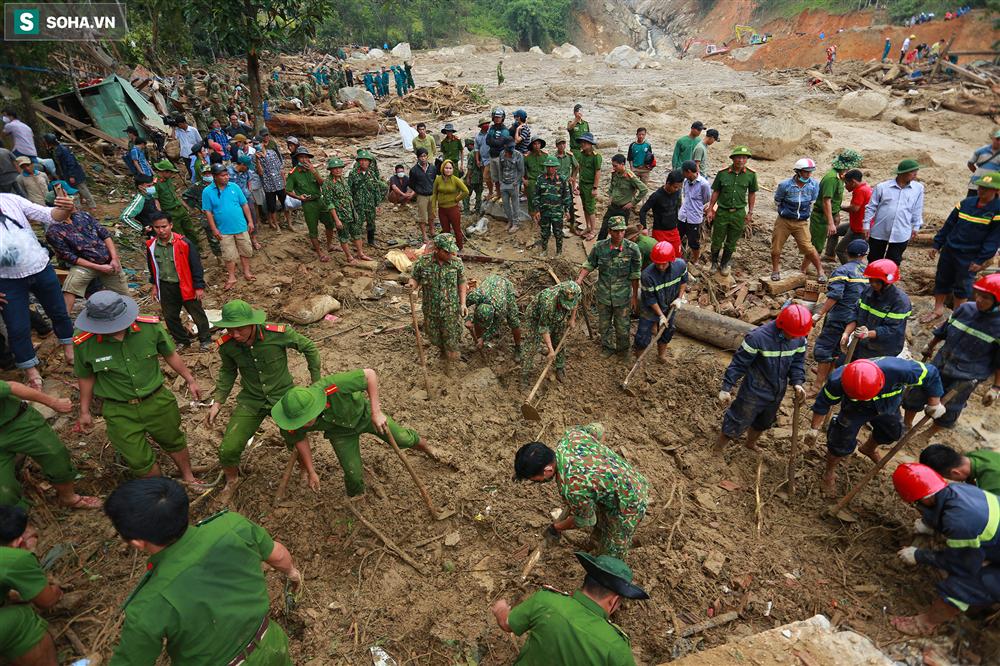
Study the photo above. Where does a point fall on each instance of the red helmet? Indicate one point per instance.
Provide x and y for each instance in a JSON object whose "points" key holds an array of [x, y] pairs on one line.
{"points": [[795, 321], [989, 284], [885, 270], [862, 380], [914, 481], [663, 253]]}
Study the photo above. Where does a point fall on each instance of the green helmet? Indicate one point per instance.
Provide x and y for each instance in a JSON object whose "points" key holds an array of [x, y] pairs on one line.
{"points": [[551, 160], [334, 162], [740, 150]]}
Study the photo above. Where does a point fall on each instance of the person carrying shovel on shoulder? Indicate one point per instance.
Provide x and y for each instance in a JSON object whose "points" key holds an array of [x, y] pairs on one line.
{"points": [[343, 407], [550, 316], [661, 290]]}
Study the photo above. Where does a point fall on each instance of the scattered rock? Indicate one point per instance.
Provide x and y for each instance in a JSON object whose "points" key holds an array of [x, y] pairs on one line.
{"points": [[495, 210], [910, 121], [660, 104], [567, 52], [770, 137], [452, 538], [374, 54], [402, 51], [359, 94], [654, 64], [310, 309], [358, 55], [418, 394], [452, 72], [480, 380], [623, 56], [535, 49], [713, 563], [865, 104]]}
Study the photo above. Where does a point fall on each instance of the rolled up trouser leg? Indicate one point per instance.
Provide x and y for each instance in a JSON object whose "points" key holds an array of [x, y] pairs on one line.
{"points": [[827, 347], [981, 588], [243, 423], [749, 411]]}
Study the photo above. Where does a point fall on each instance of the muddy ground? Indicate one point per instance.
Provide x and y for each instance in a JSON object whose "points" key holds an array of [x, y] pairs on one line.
{"points": [[778, 556]]}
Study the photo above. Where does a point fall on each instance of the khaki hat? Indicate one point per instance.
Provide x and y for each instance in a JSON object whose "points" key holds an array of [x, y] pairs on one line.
{"points": [[21, 161]]}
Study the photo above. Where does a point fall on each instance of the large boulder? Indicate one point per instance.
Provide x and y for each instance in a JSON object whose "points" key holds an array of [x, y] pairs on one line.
{"points": [[567, 52], [376, 53], [866, 104], [359, 94], [452, 72], [536, 50], [910, 121], [402, 51], [623, 56], [495, 210], [770, 137], [358, 55]]}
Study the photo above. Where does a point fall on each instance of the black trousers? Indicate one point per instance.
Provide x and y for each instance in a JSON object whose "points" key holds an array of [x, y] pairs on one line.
{"points": [[171, 303], [880, 249]]}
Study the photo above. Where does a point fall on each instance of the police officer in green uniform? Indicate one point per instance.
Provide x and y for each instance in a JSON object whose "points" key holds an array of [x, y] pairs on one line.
{"points": [[304, 183], [117, 360], [24, 639], [735, 191], [343, 407], [24, 431], [258, 353], [173, 205], [619, 266], [575, 629], [204, 594]]}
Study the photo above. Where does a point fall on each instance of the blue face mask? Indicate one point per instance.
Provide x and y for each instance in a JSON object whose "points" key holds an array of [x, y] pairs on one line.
{"points": [[150, 191], [803, 179], [206, 179]]}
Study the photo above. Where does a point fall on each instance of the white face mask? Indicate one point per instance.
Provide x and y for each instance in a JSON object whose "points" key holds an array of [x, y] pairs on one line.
{"points": [[5, 119]]}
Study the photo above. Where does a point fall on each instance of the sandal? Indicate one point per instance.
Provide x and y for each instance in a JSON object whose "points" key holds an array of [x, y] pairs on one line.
{"points": [[84, 502], [821, 279], [929, 317], [775, 276], [196, 485]]}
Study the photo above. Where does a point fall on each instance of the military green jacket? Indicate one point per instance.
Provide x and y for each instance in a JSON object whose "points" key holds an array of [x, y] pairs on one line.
{"points": [[567, 164], [9, 403], [533, 166], [452, 150], [578, 130], [568, 630], [204, 595], [167, 196], [617, 268], [626, 187], [128, 369], [545, 314], [336, 195], [552, 198], [19, 570], [733, 187], [303, 183], [262, 365]]}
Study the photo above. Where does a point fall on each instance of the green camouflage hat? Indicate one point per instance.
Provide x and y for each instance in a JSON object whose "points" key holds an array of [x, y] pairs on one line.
{"points": [[299, 406], [364, 154], [617, 223], [238, 313], [906, 166], [334, 162], [740, 150], [470, 142], [164, 165], [569, 293], [848, 159], [484, 314], [446, 242], [551, 160], [990, 180]]}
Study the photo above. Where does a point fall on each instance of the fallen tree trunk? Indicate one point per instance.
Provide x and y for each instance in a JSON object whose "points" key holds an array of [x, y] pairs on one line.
{"points": [[341, 124], [711, 327]]}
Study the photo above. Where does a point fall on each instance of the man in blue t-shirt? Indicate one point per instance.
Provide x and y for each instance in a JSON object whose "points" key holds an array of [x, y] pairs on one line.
{"points": [[230, 221]]}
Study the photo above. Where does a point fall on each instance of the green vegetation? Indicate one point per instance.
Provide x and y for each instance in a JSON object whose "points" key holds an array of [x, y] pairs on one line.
{"points": [[899, 10]]}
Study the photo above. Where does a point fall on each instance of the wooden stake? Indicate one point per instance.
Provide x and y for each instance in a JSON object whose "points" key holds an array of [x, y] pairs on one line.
{"points": [[283, 484], [793, 450], [438, 515], [420, 343], [389, 543]]}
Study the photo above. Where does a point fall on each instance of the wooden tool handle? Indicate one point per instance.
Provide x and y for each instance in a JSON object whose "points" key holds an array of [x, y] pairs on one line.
{"points": [[548, 365], [656, 340]]}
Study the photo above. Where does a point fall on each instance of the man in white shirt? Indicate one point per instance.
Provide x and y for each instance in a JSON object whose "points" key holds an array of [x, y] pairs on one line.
{"points": [[895, 213], [187, 136], [22, 135]]}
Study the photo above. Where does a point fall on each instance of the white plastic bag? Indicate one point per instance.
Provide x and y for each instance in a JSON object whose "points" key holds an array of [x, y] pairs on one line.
{"points": [[16, 244], [406, 133]]}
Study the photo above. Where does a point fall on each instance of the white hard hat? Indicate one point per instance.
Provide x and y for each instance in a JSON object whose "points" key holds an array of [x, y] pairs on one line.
{"points": [[805, 164]]}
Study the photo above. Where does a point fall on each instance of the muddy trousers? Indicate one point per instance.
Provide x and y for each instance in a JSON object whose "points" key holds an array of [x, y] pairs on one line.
{"points": [[29, 434], [534, 343], [614, 322], [727, 229], [551, 225], [614, 531], [243, 423], [367, 215], [476, 189]]}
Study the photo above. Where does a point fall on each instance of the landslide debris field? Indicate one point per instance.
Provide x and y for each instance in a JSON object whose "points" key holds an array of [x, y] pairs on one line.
{"points": [[707, 545]]}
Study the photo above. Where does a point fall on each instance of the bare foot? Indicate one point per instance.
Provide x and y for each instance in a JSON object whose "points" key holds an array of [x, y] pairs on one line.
{"points": [[324, 258], [871, 452], [914, 625], [364, 257], [929, 317], [82, 502], [249, 278], [351, 261], [257, 245], [752, 446], [829, 484]]}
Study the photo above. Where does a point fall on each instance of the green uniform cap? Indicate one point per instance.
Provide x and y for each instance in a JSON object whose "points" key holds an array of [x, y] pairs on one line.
{"points": [[617, 223], [298, 407], [446, 242], [470, 142], [334, 162], [551, 160], [906, 166], [848, 159], [612, 573], [238, 313], [989, 180], [364, 154], [569, 292], [164, 165], [740, 150]]}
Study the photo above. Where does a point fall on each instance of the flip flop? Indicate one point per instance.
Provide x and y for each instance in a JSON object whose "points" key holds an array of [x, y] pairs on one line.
{"points": [[84, 502], [196, 485], [929, 317], [821, 279]]}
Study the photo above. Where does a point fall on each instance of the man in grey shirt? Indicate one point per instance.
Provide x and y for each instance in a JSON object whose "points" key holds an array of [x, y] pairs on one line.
{"points": [[511, 176], [8, 173], [700, 153], [696, 193]]}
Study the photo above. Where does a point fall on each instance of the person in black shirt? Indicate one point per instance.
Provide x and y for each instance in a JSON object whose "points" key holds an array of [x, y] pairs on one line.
{"points": [[422, 183], [665, 203]]}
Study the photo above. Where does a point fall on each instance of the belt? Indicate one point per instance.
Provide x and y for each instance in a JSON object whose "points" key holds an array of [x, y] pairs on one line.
{"points": [[733, 208], [136, 401], [21, 409], [252, 645]]}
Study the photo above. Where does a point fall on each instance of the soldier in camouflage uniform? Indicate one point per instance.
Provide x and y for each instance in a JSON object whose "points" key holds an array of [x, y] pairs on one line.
{"points": [[619, 265], [550, 315], [534, 166], [473, 179], [441, 277], [601, 489], [203, 118], [211, 85], [493, 303], [188, 87], [551, 201], [368, 190], [336, 197], [274, 91], [218, 109], [304, 93]]}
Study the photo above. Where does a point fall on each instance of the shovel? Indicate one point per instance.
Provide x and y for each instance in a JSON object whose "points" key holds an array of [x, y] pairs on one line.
{"points": [[847, 359], [420, 343], [438, 515], [793, 451], [638, 361], [527, 410]]}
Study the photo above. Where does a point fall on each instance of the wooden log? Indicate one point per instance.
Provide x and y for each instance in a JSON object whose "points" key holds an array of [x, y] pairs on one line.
{"points": [[711, 327], [785, 284], [76, 124], [968, 74], [341, 124]]}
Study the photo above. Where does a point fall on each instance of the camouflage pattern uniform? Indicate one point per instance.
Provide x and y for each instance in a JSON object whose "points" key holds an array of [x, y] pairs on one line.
{"points": [[617, 268], [494, 302], [189, 90], [368, 190], [203, 118], [602, 490], [211, 85], [336, 195], [551, 198], [441, 305], [549, 313]]}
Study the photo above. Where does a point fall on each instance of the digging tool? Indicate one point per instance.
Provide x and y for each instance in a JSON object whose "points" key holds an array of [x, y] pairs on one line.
{"points": [[793, 450], [638, 361], [536, 554], [527, 410], [847, 359], [838, 510], [420, 342], [582, 306], [285, 477], [438, 515]]}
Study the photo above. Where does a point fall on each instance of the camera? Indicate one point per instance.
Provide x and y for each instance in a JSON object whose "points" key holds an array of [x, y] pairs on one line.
{"points": [[173, 120]]}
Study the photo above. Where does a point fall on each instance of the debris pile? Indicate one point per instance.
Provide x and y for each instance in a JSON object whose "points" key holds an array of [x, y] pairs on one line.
{"points": [[445, 100]]}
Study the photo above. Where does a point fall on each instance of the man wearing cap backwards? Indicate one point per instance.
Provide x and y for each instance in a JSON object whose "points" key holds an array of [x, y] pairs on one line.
{"points": [[602, 490], [491, 304], [575, 628], [625, 192], [337, 199], [368, 190], [550, 315], [173, 205], [343, 407], [551, 200], [874, 391], [482, 150], [826, 213], [794, 198], [661, 286], [534, 168], [619, 266], [440, 275], [590, 179], [257, 352], [117, 360], [880, 324], [771, 356], [969, 238], [971, 352], [304, 183], [735, 191], [843, 293], [967, 517], [895, 213], [684, 146]]}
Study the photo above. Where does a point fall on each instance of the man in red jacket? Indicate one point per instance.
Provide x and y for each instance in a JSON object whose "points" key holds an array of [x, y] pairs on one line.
{"points": [[178, 281]]}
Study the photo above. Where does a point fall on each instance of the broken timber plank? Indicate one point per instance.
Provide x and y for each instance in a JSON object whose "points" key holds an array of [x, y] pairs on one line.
{"points": [[76, 124], [775, 287]]}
